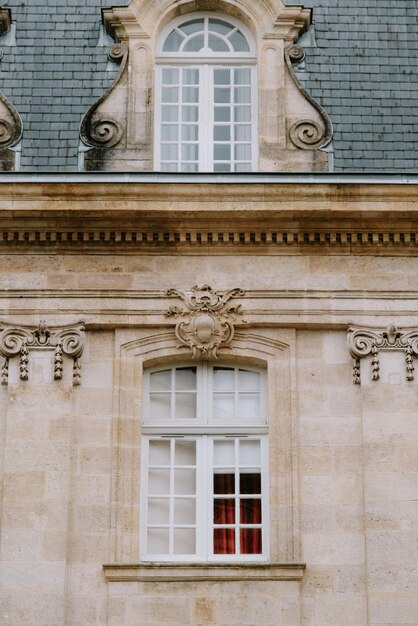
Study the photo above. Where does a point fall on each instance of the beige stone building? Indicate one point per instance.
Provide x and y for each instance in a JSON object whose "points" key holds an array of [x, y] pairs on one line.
{"points": [[208, 401]]}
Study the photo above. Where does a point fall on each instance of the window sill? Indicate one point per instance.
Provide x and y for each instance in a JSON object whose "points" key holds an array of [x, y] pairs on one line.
{"points": [[184, 572]]}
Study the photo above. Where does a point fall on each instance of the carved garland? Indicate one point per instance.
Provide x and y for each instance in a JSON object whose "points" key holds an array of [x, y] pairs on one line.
{"points": [[18, 340], [207, 322], [363, 342]]}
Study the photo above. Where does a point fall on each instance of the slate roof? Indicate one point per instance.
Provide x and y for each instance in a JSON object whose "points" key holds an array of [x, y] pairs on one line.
{"points": [[362, 68]]}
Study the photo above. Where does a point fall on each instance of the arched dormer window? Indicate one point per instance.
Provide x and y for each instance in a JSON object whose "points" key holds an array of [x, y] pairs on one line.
{"points": [[206, 113]]}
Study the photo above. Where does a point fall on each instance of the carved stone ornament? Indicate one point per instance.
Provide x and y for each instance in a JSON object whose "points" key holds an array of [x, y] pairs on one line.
{"points": [[363, 342], [99, 129], [19, 340], [307, 134], [207, 322]]}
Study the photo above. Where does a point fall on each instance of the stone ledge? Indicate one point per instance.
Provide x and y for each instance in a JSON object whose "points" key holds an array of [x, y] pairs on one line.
{"points": [[193, 572]]}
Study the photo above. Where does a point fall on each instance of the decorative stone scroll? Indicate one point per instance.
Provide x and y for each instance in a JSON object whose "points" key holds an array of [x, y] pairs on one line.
{"points": [[307, 134], [99, 129], [207, 322], [19, 340], [364, 342]]}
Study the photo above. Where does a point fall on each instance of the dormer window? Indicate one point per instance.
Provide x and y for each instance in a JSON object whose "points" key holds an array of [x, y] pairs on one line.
{"points": [[206, 117]]}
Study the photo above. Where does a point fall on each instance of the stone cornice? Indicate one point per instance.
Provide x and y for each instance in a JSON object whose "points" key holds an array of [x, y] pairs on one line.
{"points": [[278, 218]]}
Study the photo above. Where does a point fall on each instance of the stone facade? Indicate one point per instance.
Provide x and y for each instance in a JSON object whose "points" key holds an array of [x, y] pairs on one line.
{"points": [[95, 262]]}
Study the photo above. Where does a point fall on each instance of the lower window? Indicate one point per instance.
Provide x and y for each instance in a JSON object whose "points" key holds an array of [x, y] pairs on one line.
{"points": [[204, 491]]}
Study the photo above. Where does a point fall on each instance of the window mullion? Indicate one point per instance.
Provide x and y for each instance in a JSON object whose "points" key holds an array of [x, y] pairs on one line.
{"points": [[206, 118]]}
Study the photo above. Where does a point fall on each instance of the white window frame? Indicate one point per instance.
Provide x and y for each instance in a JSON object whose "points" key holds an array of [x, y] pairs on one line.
{"points": [[206, 64], [205, 434]]}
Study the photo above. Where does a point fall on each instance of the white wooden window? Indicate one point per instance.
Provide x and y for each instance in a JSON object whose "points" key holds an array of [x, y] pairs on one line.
{"points": [[204, 465], [206, 110]]}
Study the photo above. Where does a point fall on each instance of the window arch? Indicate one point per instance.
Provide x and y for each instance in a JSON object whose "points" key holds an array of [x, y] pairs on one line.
{"points": [[204, 464], [206, 113]]}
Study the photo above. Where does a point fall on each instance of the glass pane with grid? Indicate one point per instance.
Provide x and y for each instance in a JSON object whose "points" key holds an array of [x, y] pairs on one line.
{"points": [[232, 128], [236, 496], [236, 395], [173, 395], [171, 500], [180, 117]]}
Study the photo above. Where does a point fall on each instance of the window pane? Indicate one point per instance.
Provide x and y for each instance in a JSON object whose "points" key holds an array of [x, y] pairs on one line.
{"points": [[189, 114], [194, 26], [194, 44], [170, 94], [224, 511], [217, 44], [242, 167], [250, 483], [184, 482], [189, 167], [223, 406], [185, 405], [184, 511], [158, 511], [190, 132], [184, 541], [159, 482], [185, 378], [222, 77], [189, 152], [243, 152], [250, 511], [222, 152], [160, 381], [250, 541], [170, 76], [224, 483], [219, 26], [222, 133], [185, 453], [190, 77], [173, 42], [222, 114], [160, 406], [169, 132], [169, 152], [158, 541], [223, 378], [159, 453], [169, 113], [242, 76], [169, 167], [249, 453], [223, 452], [222, 167], [243, 113], [190, 94], [222, 94], [242, 95], [224, 541], [242, 132], [239, 43], [248, 381], [248, 406]]}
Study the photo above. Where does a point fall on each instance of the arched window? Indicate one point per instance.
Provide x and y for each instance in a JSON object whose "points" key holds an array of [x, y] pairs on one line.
{"points": [[206, 110], [204, 494]]}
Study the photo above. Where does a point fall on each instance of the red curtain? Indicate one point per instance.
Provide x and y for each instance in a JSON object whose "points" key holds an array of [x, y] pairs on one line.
{"points": [[250, 513]]}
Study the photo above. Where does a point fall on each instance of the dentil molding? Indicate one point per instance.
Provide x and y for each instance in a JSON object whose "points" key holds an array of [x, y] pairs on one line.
{"points": [[19, 340]]}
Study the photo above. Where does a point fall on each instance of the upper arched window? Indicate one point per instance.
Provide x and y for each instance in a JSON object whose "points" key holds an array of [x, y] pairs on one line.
{"points": [[206, 115]]}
